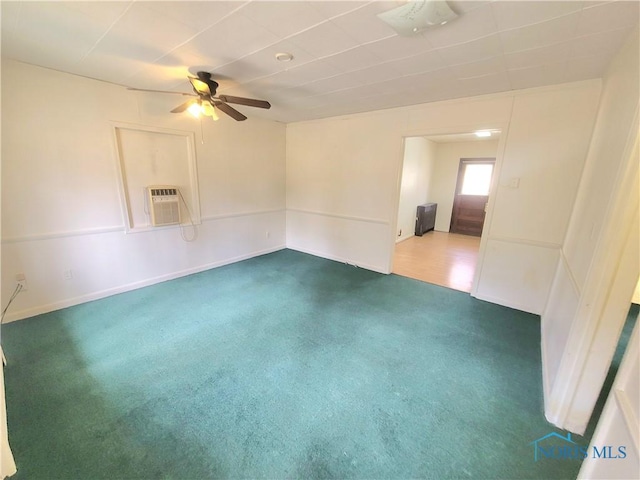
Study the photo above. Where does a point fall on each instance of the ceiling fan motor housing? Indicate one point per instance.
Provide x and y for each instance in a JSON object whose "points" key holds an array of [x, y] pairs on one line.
{"points": [[206, 78]]}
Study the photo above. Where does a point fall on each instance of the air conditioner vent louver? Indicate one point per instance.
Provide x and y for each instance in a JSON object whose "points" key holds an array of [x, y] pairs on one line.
{"points": [[164, 205]]}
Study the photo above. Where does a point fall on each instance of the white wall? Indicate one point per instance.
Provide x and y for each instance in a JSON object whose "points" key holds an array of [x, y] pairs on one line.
{"points": [[582, 300], [342, 187], [61, 208], [619, 422], [417, 168], [545, 150], [343, 178], [445, 174], [636, 294], [7, 463]]}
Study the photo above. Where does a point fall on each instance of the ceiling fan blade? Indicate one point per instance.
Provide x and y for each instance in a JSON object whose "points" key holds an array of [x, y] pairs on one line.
{"points": [[160, 91], [229, 110], [184, 106], [200, 86], [250, 102]]}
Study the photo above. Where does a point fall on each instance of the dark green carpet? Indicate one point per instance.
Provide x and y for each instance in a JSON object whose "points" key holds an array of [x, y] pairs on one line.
{"points": [[282, 366]]}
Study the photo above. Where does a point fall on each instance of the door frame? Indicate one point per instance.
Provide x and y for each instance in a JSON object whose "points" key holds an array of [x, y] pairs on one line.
{"points": [[618, 409], [503, 127], [603, 304]]}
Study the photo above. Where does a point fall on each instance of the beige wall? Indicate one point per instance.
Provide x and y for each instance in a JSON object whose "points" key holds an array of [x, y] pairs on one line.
{"points": [[417, 170], [591, 289], [61, 208], [62, 211], [343, 180]]}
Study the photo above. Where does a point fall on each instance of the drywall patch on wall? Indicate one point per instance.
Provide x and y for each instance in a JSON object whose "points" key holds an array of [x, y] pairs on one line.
{"points": [[155, 156]]}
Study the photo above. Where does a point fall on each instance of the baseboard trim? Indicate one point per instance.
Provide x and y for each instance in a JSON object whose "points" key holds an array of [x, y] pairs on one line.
{"points": [[506, 303], [336, 258], [70, 302], [404, 237]]}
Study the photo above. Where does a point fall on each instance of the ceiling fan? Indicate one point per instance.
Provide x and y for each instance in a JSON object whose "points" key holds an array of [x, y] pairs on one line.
{"points": [[206, 101]]}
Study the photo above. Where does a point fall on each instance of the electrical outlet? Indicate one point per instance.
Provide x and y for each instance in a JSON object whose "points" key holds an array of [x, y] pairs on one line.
{"points": [[267, 234], [22, 280], [68, 274]]}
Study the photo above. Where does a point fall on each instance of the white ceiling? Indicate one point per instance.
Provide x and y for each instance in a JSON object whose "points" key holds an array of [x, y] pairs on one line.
{"points": [[346, 60]]}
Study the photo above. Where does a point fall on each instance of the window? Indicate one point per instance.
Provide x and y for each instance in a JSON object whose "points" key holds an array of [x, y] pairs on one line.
{"points": [[477, 179]]}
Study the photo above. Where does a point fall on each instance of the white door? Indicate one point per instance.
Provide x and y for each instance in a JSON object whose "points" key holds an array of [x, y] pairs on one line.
{"points": [[614, 451]]}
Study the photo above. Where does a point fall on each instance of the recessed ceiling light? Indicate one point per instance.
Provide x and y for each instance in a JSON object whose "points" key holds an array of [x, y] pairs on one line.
{"points": [[284, 57], [483, 133]]}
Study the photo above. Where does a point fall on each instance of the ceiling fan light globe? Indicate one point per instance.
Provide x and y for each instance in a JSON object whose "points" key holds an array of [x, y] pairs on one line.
{"points": [[195, 110], [209, 110]]}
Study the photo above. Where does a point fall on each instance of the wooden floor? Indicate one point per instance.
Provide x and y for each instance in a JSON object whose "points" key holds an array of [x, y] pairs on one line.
{"points": [[447, 259]]}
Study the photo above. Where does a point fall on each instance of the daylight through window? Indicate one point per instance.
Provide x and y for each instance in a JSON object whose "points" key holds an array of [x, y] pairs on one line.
{"points": [[477, 179]]}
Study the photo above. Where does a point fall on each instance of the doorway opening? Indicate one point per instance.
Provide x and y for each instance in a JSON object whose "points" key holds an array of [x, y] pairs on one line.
{"points": [[472, 195], [444, 190]]}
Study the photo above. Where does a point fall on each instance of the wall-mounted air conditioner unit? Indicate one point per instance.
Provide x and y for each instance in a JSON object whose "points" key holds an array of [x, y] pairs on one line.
{"points": [[164, 205]]}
